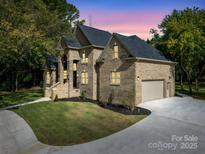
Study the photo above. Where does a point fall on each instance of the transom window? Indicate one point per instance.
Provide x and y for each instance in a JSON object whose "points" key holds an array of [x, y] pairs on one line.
{"points": [[84, 58], [84, 78], [116, 51], [115, 78]]}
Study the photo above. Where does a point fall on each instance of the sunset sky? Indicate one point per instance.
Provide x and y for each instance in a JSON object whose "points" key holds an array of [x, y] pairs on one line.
{"points": [[130, 17]]}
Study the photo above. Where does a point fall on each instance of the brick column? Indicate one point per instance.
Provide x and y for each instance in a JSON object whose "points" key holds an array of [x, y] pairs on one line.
{"points": [[60, 70], [53, 77], [138, 86]]}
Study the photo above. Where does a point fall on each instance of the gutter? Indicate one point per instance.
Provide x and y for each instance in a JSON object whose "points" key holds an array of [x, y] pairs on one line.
{"points": [[84, 47], [151, 60]]}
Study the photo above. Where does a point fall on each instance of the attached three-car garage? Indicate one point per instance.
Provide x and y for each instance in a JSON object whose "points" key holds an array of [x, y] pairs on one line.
{"points": [[152, 89]]}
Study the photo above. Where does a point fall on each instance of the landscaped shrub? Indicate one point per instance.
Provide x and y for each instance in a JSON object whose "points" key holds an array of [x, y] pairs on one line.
{"points": [[56, 98], [104, 104], [111, 96], [83, 95]]}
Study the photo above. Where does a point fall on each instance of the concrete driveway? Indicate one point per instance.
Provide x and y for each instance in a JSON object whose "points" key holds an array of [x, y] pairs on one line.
{"points": [[176, 125]]}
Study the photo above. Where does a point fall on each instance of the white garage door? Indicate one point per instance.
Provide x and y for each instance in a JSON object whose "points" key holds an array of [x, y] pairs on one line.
{"points": [[152, 90]]}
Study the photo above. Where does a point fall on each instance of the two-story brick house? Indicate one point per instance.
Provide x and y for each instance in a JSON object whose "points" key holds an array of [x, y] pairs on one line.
{"points": [[108, 67]]}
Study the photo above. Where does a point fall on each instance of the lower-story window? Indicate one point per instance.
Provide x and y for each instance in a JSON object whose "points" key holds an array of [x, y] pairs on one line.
{"points": [[65, 75], [115, 78], [84, 78]]}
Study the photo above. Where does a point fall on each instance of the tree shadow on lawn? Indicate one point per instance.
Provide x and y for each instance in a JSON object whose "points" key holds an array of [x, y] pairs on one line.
{"points": [[13, 98]]}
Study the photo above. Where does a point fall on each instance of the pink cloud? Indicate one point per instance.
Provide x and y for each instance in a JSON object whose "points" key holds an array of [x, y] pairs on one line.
{"points": [[129, 22], [127, 29]]}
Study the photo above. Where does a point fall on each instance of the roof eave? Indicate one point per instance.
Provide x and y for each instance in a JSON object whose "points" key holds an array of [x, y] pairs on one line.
{"points": [[84, 47], [76, 48], [151, 60]]}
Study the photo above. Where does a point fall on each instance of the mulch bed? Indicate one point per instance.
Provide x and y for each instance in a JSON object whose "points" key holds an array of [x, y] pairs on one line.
{"points": [[114, 107]]}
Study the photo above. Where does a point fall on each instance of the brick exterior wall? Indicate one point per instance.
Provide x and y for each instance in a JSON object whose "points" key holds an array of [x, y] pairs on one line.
{"points": [[73, 55], [90, 88], [132, 73], [146, 70], [117, 94]]}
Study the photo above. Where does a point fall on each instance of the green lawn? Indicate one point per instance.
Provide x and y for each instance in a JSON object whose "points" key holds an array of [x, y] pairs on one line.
{"points": [[22, 96], [200, 94], [63, 123]]}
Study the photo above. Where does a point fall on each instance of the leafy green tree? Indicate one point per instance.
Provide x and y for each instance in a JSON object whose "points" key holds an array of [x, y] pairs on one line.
{"points": [[183, 40], [66, 11], [29, 31]]}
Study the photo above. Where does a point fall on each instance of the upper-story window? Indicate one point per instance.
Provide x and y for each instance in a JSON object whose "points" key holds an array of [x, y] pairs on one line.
{"points": [[116, 51], [115, 78], [84, 78], [74, 66], [84, 58]]}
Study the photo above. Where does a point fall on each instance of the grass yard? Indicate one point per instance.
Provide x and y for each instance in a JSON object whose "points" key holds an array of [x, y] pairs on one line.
{"points": [[61, 123], [22, 96], [200, 94]]}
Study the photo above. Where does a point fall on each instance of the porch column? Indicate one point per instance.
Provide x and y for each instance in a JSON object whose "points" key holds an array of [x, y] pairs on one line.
{"points": [[60, 69], [53, 77]]}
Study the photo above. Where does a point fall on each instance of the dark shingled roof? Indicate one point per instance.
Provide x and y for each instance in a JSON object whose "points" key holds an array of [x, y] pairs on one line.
{"points": [[52, 62], [139, 48], [71, 42], [95, 36]]}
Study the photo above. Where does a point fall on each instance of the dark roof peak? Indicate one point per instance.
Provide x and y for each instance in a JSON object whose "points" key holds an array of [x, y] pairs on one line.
{"points": [[71, 41], [139, 48], [95, 36], [134, 37], [85, 26]]}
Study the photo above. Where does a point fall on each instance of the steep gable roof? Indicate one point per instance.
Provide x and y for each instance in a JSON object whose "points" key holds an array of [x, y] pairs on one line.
{"points": [[95, 36], [139, 48], [71, 42]]}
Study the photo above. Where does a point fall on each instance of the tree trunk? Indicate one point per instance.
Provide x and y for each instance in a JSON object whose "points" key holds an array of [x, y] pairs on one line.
{"points": [[34, 78], [190, 88], [16, 82], [13, 82], [196, 85], [181, 82]]}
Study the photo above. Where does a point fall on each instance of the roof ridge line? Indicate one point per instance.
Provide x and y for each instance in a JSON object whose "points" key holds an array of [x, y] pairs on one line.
{"points": [[96, 28]]}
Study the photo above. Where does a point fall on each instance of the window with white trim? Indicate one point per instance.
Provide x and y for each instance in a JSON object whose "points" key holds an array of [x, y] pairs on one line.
{"points": [[84, 78], [115, 78]]}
